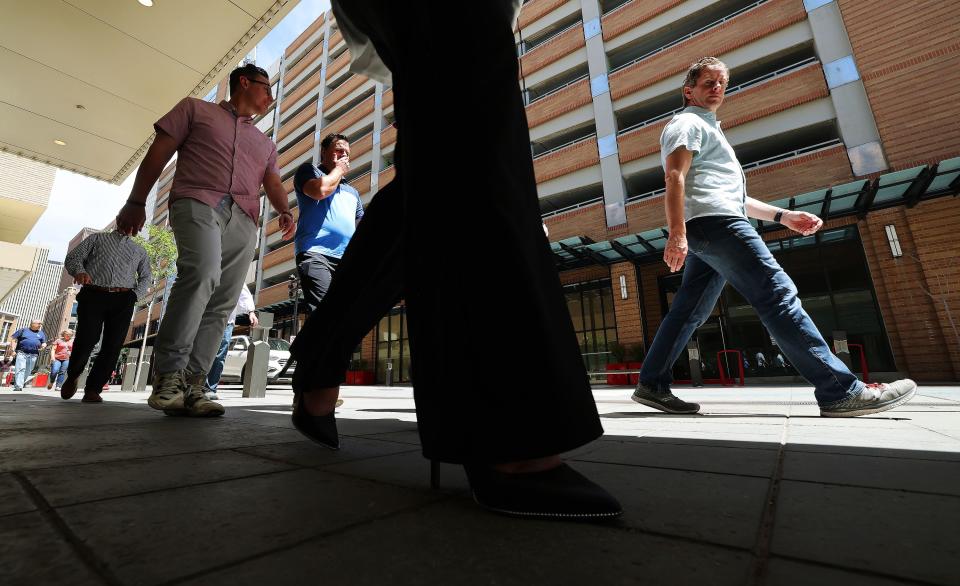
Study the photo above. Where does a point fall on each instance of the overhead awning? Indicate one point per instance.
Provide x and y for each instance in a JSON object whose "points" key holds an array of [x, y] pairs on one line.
{"points": [[906, 188], [95, 75]]}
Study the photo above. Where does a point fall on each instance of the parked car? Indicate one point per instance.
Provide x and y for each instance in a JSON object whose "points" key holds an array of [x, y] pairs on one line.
{"points": [[237, 357]]}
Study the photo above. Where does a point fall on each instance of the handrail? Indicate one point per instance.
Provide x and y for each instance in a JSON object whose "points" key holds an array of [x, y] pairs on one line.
{"points": [[794, 153], [563, 146], [645, 195], [689, 35], [617, 8], [564, 86], [582, 204], [731, 91], [551, 37]]}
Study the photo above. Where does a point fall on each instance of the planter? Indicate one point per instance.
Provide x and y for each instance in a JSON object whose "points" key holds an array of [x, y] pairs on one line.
{"points": [[617, 379], [634, 378], [361, 377], [40, 380]]}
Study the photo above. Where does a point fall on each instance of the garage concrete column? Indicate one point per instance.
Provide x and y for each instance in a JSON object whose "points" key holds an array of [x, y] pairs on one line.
{"points": [[858, 128], [614, 190]]}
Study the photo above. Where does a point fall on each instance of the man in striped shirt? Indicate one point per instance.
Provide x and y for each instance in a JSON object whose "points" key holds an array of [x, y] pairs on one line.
{"points": [[113, 272]]}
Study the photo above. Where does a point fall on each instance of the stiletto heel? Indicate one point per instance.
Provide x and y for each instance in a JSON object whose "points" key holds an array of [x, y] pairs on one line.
{"points": [[321, 429]]}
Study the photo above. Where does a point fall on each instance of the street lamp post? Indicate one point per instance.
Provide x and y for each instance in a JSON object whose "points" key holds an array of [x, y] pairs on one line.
{"points": [[293, 287]]}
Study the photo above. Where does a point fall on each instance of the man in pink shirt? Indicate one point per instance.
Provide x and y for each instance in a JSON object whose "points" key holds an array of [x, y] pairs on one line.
{"points": [[223, 159]]}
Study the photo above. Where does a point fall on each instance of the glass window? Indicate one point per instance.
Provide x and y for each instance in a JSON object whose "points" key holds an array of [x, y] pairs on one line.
{"points": [[594, 321], [393, 346]]}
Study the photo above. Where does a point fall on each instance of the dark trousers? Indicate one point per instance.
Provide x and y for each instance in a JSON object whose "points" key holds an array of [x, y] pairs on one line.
{"points": [[496, 367], [316, 272], [100, 312]]}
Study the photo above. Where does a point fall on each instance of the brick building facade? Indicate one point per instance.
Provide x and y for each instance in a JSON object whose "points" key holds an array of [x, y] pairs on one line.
{"points": [[838, 107]]}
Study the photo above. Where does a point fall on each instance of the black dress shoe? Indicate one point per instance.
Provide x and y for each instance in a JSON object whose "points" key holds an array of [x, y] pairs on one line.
{"points": [[558, 493], [321, 429], [69, 388]]}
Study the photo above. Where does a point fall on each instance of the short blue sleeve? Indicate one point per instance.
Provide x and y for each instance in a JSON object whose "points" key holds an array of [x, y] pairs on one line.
{"points": [[305, 172]]}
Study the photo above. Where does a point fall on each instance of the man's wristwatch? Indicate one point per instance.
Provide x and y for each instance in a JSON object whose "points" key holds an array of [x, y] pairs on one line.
{"points": [[777, 216]]}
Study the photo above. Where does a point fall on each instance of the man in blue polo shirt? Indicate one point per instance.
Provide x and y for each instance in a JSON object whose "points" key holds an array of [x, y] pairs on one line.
{"points": [[28, 342], [329, 212]]}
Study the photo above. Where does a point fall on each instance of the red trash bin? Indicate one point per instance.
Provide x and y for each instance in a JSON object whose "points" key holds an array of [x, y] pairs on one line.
{"points": [[41, 380]]}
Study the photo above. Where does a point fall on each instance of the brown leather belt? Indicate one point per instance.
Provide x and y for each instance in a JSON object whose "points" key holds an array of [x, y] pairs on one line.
{"points": [[109, 289]]}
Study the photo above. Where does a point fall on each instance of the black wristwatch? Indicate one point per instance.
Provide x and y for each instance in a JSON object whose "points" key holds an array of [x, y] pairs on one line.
{"points": [[777, 216]]}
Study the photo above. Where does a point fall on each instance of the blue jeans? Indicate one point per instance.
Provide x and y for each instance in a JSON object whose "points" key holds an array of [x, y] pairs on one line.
{"points": [[728, 249], [24, 366], [216, 369], [58, 371]]}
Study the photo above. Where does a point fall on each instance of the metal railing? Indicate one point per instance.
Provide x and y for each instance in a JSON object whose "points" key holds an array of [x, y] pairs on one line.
{"points": [[539, 43], [563, 146], [689, 35], [729, 92], [616, 8], [793, 154], [557, 89], [640, 196], [569, 208]]}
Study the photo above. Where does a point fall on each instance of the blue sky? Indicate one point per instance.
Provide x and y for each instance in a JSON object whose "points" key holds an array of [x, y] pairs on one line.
{"points": [[299, 18], [77, 201]]}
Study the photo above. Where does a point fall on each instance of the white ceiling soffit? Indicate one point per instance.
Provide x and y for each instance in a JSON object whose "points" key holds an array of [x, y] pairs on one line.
{"points": [[96, 74]]}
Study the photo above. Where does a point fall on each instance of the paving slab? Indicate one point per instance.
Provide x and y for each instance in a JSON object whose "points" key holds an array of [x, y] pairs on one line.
{"points": [[902, 534], [875, 471], [715, 508], [35, 553], [226, 522], [160, 436], [13, 499], [246, 499], [701, 458], [30, 412], [69, 485], [455, 543], [409, 469], [307, 453], [782, 572]]}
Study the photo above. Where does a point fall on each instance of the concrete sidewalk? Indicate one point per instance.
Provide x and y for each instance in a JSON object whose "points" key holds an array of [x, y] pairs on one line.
{"points": [[760, 490]]}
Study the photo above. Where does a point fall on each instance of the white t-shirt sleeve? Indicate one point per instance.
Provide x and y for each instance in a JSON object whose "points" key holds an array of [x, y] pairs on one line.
{"points": [[681, 132]]}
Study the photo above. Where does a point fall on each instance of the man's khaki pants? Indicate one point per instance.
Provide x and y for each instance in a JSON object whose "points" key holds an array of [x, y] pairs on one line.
{"points": [[215, 246]]}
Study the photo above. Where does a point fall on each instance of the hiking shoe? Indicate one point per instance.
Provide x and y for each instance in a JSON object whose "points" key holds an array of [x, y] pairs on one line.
{"points": [[167, 391], [663, 400], [874, 398], [195, 401]]}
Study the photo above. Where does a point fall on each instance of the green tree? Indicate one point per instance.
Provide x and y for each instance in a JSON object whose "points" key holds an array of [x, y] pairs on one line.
{"points": [[162, 250]]}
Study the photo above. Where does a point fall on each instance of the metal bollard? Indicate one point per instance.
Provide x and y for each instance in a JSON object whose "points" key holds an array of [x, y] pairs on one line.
{"points": [[693, 355], [841, 348], [390, 373], [255, 370], [130, 370], [141, 383]]}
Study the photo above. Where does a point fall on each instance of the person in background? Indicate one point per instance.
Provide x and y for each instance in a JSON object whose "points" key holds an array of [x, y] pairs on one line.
{"points": [[27, 343], [61, 359], [223, 160], [113, 271], [245, 306]]}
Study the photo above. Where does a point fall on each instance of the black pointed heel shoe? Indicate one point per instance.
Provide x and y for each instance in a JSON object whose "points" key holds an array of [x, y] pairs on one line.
{"points": [[558, 493], [321, 429]]}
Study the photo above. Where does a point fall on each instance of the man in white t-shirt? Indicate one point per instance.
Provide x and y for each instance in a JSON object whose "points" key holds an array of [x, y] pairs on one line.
{"points": [[707, 209]]}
